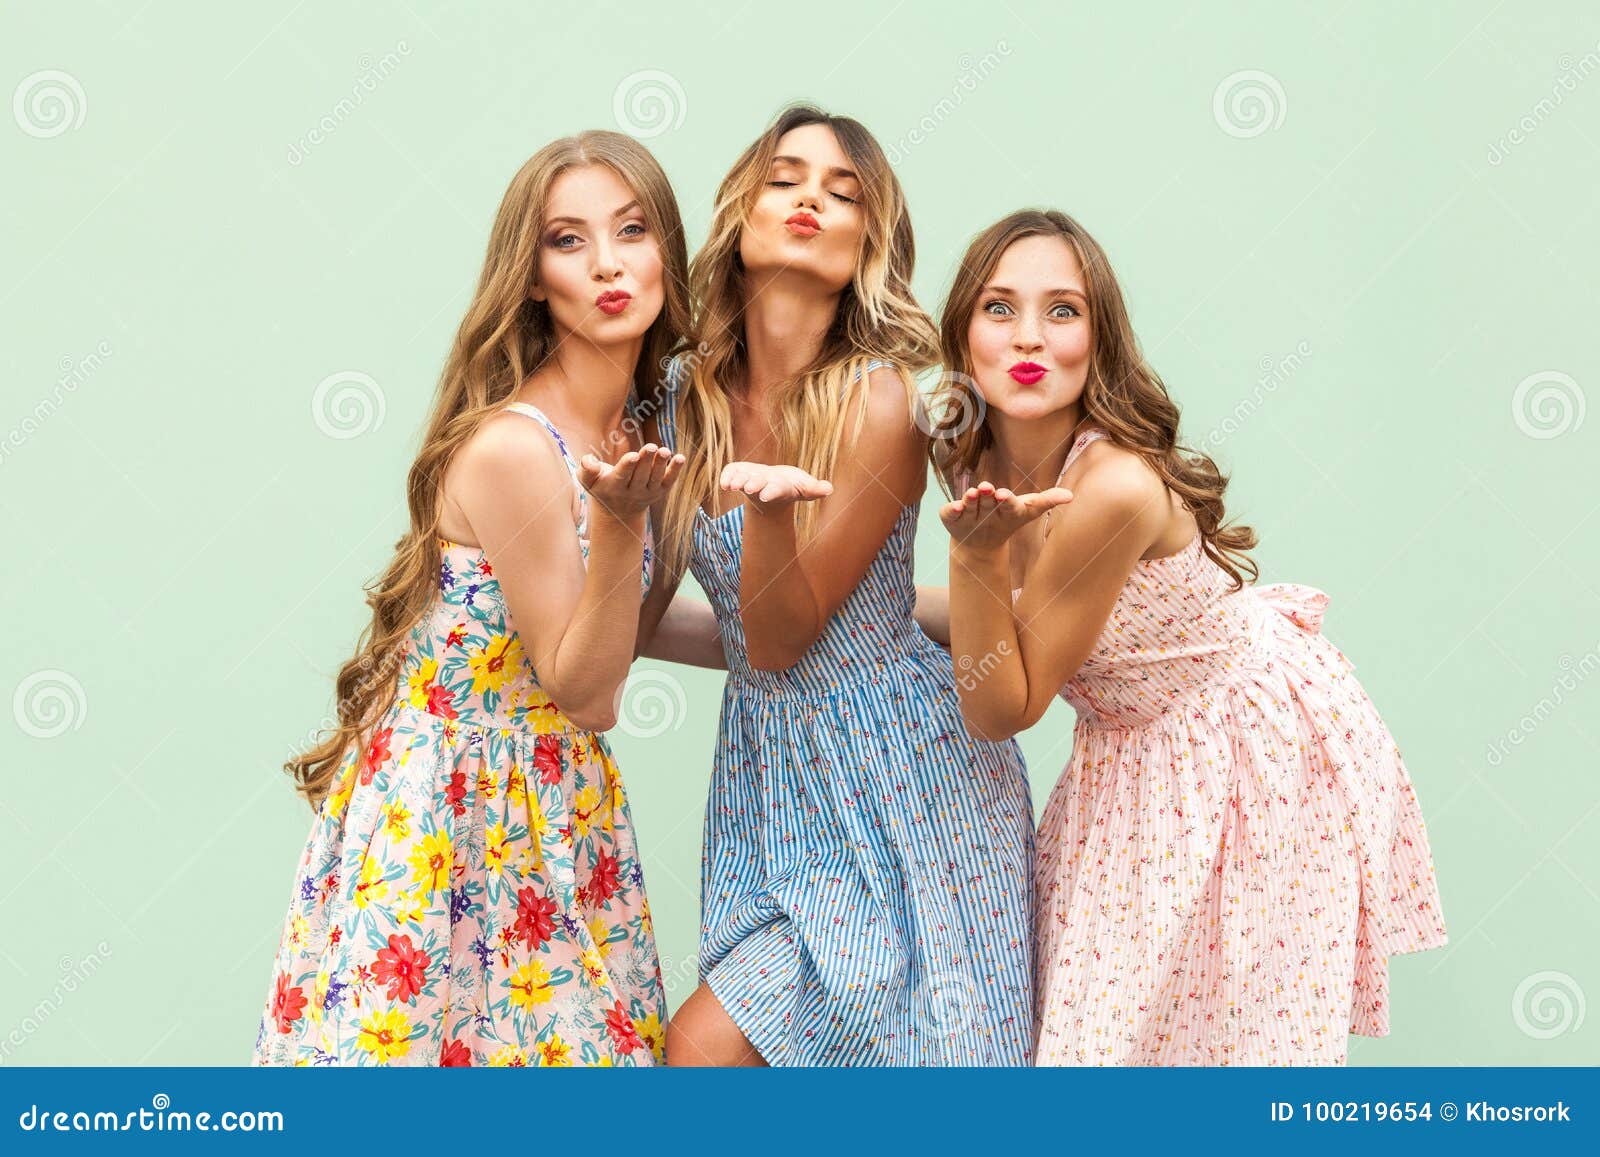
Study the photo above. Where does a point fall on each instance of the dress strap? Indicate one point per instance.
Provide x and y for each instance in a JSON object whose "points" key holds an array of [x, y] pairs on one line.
{"points": [[528, 409], [1092, 434]]}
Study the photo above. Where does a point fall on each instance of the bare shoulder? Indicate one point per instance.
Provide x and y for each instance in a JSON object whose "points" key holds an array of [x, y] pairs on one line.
{"points": [[508, 449], [1118, 481]]}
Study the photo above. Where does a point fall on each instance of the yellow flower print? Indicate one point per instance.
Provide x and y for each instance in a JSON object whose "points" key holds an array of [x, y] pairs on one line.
{"points": [[583, 805], [494, 663], [496, 849], [555, 1052], [409, 908], [486, 787], [516, 787], [653, 1035], [421, 681], [319, 994], [605, 1062], [370, 886], [594, 969], [510, 1057], [397, 819], [430, 861], [386, 1035], [600, 933], [530, 986], [298, 930]]}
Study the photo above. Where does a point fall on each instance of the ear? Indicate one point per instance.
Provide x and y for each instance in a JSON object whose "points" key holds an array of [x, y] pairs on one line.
{"points": [[537, 293]]}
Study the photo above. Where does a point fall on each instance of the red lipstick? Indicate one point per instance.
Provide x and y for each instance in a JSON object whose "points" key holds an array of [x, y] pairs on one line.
{"points": [[803, 224], [1027, 372], [613, 301]]}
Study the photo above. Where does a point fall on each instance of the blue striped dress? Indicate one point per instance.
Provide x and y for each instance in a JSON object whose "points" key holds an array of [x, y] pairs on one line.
{"points": [[867, 880]]}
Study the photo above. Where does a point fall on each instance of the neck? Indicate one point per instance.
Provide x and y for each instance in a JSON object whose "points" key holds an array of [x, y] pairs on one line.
{"points": [[586, 385], [1029, 454], [784, 327]]}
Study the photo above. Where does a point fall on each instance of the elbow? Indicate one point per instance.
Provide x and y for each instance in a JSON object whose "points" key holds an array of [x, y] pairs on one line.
{"points": [[992, 726], [776, 654], [587, 713]]}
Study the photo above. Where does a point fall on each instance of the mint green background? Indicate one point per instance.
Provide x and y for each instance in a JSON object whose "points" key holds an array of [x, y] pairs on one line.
{"points": [[189, 547]]}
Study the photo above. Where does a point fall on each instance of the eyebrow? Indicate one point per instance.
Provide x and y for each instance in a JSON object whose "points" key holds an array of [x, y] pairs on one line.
{"points": [[628, 208], [833, 170], [1064, 290]]}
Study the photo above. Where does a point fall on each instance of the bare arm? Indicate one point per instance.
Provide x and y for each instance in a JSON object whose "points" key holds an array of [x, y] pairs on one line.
{"points": [[788, 594], [933, 613], [579, 625], [688, 633], [1027, 653]]}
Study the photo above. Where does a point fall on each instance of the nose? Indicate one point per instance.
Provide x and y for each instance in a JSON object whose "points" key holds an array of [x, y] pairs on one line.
{"points": [[808, 196], [1026, 338], [607, 261]]}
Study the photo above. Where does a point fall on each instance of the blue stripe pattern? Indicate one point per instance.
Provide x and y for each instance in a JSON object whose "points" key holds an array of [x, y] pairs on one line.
{"points": [[867, 880]]}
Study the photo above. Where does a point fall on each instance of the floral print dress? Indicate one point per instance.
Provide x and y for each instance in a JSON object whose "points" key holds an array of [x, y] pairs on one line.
{"points": [[1235, 849], [470, 893]]}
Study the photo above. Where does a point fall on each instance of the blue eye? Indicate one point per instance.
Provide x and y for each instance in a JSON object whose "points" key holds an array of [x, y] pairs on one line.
{"points": [[561, 241], [1071, 310], [992, 306], [636, 229]]}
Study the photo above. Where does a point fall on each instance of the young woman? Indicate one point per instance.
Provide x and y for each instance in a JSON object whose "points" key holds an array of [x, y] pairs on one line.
{"points": [[1235, 849], [866, 884], [471, 890]]}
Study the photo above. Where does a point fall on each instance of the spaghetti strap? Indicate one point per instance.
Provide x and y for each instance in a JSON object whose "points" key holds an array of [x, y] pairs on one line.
{"points": [[528, 409], [1092, 434]]}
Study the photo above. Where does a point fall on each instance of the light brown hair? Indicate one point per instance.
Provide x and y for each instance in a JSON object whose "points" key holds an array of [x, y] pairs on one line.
{"points": [[878, 317], [504, 337], [1121, 393]]}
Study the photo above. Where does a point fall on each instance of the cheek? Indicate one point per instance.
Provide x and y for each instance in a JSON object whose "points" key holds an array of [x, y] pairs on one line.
{"points": [[646, 267], [1069, 344], [563, 279], [987, 342]]}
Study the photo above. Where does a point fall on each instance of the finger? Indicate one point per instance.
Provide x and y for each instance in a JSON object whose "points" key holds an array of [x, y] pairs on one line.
{"points": [[649, 467], [674, 467]]}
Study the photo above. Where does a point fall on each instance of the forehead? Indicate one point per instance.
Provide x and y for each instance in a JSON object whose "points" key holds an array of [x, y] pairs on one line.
{"points": [[815, 144], [586, 191], [1033, 259]]}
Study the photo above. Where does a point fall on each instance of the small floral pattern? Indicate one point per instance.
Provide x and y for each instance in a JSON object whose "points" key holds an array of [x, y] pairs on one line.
{"points": [[470, 892], [1235, 848]]}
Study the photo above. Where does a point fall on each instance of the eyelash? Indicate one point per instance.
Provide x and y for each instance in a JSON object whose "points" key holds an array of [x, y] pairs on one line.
{"points": [[1053, 308], [792, 184], [555, 242]]}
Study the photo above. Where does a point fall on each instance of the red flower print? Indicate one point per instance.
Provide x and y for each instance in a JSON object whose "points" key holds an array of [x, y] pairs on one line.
{"points": [[401, 966], [547, 758], [623, 1035], [602, 883], [377, 754], [288, 1003], [484, 567], [441, 702], [455, 1056], [456, 793], [534, 916], [457, 635]]}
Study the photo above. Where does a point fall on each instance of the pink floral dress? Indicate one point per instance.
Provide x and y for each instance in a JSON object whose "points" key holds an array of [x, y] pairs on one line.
{"points": [[1234, 850], [470, 893]]}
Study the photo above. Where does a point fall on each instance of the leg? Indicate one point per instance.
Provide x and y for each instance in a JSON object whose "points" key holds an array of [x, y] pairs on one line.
{"points": [[701, 1033]]}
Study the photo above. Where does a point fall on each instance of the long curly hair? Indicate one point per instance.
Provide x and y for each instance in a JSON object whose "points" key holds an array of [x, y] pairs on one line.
{"points": [[1121, 394], [878, 317], [504, 337]]}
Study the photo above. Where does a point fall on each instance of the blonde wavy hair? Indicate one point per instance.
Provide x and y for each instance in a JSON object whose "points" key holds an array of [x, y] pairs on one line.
{"points": [[878, 317], [504, 337], [1121, 394]]}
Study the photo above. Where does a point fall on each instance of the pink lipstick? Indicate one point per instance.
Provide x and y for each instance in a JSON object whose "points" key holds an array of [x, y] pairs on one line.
{"points": [[804, 225], [1027, 372]]}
